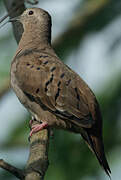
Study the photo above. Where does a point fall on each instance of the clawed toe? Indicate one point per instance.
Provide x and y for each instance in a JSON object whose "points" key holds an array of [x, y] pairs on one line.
{"points": [[38, 127]]}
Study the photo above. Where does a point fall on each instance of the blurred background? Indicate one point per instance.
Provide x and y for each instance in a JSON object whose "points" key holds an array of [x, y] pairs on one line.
{"points": [[87, 36]]}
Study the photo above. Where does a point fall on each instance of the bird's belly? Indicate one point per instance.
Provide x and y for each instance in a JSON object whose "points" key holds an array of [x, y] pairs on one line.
{"points": [[30, 106], [21, 96], [34, 108], [17, 90]]}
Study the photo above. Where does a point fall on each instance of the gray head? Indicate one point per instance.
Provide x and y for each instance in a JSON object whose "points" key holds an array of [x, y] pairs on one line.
{"points": [[36, 22], [35, 16]]}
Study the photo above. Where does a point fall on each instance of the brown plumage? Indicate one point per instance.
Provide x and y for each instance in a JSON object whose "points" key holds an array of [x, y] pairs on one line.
{"points": [[50, 90]]}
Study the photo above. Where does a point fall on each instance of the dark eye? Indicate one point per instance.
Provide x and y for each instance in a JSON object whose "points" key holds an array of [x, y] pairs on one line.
{"points": [[31, 12]]}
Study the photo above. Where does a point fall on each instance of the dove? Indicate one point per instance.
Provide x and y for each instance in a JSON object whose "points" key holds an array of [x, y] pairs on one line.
{"points": [[53, 93]]}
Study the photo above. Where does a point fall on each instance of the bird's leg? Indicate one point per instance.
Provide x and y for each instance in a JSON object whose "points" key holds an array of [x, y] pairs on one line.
{"points": [[38, 127]]}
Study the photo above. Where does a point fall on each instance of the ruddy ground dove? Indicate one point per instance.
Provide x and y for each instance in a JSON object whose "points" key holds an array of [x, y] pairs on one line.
{"points": [[53, 93]]}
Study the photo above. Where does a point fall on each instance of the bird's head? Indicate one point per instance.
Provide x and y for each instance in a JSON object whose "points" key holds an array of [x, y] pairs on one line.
{"points": [[34, 17]]}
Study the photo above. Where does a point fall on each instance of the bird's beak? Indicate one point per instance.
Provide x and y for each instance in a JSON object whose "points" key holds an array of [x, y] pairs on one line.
{"points": [[12, 20], [15, 19]]}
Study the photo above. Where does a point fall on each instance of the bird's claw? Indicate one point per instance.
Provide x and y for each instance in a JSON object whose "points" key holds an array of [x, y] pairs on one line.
{"points": [[37, 127]]}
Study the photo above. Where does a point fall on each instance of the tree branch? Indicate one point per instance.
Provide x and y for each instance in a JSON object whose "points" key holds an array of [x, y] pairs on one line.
{"points": [[37, 163], [38, 159], [15, 171]]}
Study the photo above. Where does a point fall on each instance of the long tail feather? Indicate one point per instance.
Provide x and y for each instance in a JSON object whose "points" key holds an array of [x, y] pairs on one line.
{"points": [[96, 145]]}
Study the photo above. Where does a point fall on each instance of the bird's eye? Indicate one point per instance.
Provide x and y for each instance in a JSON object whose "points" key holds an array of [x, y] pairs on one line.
{"points": [[31, 12]]}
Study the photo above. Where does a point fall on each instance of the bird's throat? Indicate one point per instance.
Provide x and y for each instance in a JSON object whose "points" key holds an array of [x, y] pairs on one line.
{"points": [[38, 38]]}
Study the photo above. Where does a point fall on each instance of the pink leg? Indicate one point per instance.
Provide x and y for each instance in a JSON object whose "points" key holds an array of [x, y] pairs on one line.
{"points": [[38, 127]]}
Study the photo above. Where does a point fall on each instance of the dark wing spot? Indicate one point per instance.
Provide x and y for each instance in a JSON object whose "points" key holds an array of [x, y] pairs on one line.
{"points": [[57, 94], [43, 56], [77, 94], [48, 82], [46, 62], [32, 66], [68, 82], [59, 83], [51, 79], [28, 64], [78, 97], [58, 91], [38, 68], [29, 96], [53, 68], [62, 75], [45, 89], [37, 90]]}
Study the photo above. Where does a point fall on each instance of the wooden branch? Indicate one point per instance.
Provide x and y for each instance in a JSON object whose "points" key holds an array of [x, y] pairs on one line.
{"points": [[37, 163], [15, 171], [38, 159]]}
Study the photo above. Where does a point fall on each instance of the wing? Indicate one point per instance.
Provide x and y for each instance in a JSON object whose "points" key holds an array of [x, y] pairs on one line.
{"points": [[50, 83]]}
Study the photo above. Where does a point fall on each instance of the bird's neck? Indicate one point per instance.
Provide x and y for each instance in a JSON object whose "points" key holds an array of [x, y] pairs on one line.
{"points": [[33, 38], [40, 41]]}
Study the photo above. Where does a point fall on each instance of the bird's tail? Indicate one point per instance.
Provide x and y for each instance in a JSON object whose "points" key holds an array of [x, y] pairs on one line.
{"points": [[97, 147]]}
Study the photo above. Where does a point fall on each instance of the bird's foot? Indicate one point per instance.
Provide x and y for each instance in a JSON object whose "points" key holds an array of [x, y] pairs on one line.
{"points": [[38, 127]]}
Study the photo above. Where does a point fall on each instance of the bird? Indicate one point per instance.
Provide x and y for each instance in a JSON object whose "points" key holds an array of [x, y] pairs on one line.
{"points": [[54, 94]]}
